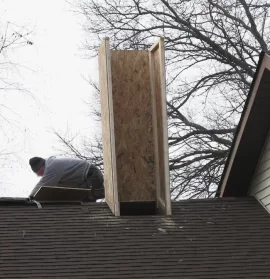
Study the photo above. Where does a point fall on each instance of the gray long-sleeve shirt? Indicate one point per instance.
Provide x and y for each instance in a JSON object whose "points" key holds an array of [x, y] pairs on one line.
{"points": [[63, 172]]}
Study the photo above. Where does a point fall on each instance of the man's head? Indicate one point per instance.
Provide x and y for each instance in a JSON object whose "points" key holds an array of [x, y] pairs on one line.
{"points": [[37, 165]]}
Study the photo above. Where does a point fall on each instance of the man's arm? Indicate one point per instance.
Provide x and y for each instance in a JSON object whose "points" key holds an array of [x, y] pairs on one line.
{"points": [[50, 178]]}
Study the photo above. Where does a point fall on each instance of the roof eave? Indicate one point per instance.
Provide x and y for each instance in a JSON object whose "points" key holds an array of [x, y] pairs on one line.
{"points": [[250, 112]]}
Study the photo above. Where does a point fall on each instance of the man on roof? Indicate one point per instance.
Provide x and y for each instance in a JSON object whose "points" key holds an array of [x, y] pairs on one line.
{"points": [[68, 173]]}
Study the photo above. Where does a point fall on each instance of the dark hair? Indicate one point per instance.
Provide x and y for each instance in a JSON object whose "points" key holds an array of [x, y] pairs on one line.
{"points": [[36, 163]]}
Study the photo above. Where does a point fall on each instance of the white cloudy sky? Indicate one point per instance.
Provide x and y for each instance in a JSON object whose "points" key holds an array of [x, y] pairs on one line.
{"points": [[53, 70]]}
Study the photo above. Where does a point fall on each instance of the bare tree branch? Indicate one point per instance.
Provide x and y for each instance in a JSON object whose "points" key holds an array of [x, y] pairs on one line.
{"points": [[11, 38], [212, 48]]}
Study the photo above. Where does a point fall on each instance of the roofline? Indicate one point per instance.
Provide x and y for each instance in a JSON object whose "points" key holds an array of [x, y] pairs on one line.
{"points": [[239, 131], [5, 201]]}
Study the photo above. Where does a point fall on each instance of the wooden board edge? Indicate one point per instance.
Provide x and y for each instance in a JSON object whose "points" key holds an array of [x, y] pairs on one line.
{"points": [[110, 200], [57, 187], [156, 45], [111, 115], [101, 52], [159, 46], [155, 135], [47, 194], [165, 125], [162, 208]]}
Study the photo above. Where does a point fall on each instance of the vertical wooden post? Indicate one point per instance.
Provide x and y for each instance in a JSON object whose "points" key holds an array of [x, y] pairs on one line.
{"points": [[158, 91], [107, 119]]}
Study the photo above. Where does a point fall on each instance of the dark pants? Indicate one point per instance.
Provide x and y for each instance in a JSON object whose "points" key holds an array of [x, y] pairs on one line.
{"points": [[95, 182]]}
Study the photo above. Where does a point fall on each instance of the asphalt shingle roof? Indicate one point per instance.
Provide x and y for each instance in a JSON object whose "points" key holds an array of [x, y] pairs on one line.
{"points": [[218, 238]]}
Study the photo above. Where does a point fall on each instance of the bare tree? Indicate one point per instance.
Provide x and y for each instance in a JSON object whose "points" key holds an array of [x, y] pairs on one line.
{"points": [[86, 148], [212, 48], [11, 38]]}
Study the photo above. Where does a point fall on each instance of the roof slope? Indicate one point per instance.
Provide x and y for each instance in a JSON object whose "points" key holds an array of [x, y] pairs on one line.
{"points": [[250, 135], [218, 238]]}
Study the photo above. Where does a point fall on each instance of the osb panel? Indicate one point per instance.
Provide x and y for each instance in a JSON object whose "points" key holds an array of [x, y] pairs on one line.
{"points": [[47, 193], [133, 125], [106, 125]]}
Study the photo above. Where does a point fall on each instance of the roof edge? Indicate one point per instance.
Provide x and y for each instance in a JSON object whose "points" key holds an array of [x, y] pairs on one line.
{"points": [[4, 201], [240, 123]]}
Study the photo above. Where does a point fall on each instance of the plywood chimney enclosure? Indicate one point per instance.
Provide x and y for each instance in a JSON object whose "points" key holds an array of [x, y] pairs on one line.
{"points": [[134, 128]]}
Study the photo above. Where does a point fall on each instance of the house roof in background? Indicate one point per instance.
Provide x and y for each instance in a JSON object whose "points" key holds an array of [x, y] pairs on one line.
{"points": [[250, 136], [215, 238]]}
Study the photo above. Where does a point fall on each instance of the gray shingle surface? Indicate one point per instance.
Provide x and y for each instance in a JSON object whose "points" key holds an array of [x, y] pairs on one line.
{"points": [[221, 238]]}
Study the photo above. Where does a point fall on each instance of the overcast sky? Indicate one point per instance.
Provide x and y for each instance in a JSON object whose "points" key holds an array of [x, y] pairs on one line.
{"points": [[53, 70]]}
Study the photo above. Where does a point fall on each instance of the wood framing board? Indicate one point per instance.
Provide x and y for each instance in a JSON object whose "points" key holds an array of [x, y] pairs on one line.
{"points": [[133, 125], [47, 193], [155, 130], [108, 142], [158, 91]]}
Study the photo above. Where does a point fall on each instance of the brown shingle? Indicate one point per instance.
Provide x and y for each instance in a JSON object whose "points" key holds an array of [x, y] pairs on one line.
{"points": [[219, 238]]}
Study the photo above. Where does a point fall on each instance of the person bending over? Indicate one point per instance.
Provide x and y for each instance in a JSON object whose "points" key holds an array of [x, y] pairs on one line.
{"points": [[68, 173]]}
